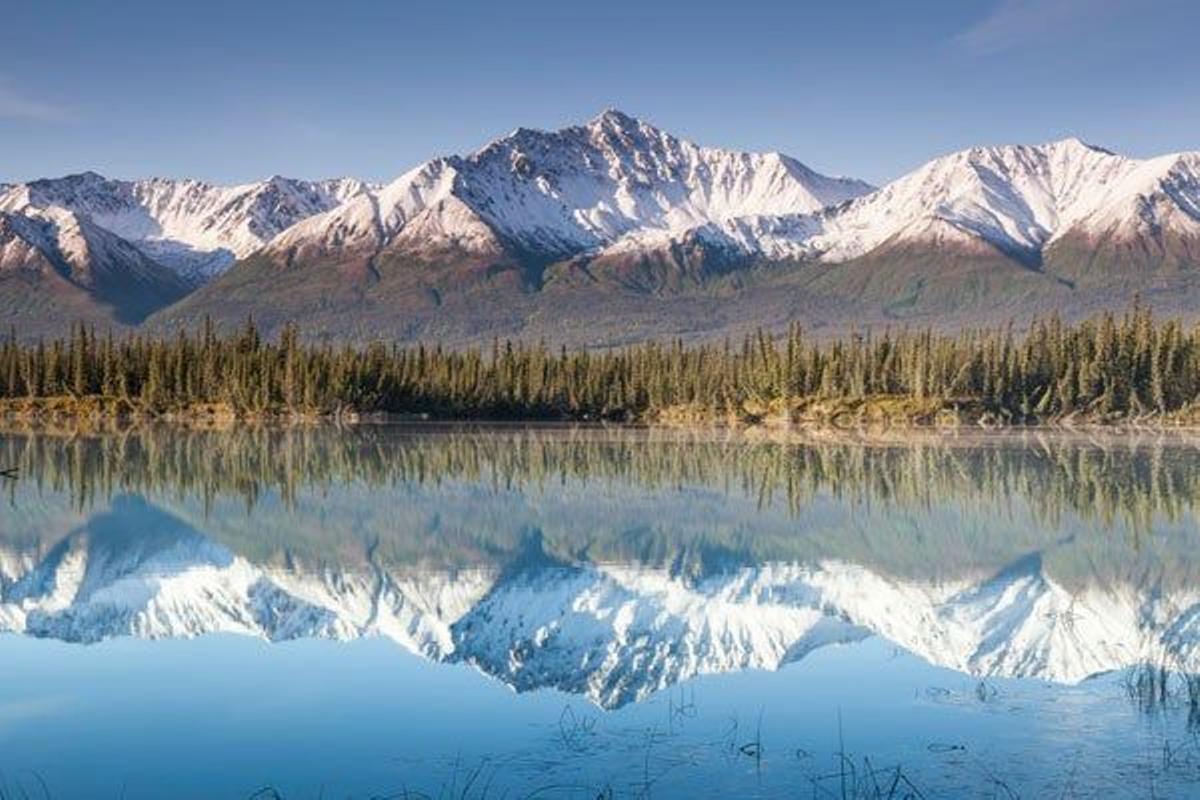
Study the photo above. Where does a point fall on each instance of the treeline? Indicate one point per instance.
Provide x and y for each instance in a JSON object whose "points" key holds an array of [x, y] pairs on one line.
{"points": [[1126, 365]]}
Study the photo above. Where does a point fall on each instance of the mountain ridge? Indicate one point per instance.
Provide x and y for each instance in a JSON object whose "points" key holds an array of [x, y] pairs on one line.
{"points": [[193, 227], [636, 233]]}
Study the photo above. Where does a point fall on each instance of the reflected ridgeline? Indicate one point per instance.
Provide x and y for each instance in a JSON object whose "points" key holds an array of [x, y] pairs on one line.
{"points": [[613, 563], [1108, 480]]}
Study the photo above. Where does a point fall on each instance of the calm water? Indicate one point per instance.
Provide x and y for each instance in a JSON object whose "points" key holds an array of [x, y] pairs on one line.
{"points": [[454, 613]]}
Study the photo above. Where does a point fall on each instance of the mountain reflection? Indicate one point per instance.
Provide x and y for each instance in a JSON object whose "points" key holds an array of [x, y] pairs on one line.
{"points": [[613, 563]]}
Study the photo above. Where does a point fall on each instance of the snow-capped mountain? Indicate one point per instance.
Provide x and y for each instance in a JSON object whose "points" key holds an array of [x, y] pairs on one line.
{"points": [[1019, 199], [551, 195], [619, 185], [613, 633], [614, 229], [197, 229], [56, 265], [618, 182]]}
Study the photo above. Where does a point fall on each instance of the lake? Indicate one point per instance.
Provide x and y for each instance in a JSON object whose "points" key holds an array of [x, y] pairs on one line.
{"points": [[504, 612]]}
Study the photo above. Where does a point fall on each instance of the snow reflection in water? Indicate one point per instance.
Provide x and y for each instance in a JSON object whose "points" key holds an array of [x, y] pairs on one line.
{"points": [[991, 614]]}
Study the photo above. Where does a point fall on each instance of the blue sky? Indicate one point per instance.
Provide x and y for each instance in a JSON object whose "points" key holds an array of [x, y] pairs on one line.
{"points": [[236, 91]]}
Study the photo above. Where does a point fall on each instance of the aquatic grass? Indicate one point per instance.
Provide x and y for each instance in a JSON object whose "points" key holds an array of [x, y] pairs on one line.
{"points": [[1148, 685], [19, 790], [1156, 686], [265, 793], [866, 781]]}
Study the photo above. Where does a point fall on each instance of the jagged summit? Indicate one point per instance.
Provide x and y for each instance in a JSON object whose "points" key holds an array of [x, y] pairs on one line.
{"points": [[611, 120], [555, 194], [614, 116]]}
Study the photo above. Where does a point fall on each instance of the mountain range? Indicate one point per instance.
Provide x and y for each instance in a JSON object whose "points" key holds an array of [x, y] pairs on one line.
{"points": [[609, 232], [614, 633]]}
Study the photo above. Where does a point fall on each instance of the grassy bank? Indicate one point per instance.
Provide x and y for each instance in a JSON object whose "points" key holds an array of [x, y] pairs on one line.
{"points": [[875, 412]]}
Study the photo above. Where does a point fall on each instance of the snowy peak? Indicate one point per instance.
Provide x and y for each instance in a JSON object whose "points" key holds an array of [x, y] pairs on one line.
{"points": [[1016, 198], [614, 119], [555, 194], [369, 220], [195, 228], [589, 185], [1013, 196], [59, 268], [74, 246], [1023, 197], [1159, 194]]}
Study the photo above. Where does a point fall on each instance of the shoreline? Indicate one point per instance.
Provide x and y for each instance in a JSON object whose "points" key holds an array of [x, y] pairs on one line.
{"points": [[868, 419]]}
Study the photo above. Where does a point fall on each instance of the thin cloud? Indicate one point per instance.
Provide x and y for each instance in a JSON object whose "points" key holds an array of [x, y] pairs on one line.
{"points": [[1013, 23], [15, 105]]}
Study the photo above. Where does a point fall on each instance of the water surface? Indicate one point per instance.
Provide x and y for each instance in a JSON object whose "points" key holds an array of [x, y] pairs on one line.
{"points": [[570, 612]]}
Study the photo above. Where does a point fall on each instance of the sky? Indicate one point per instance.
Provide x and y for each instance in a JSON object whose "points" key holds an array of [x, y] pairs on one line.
{"points": [[237, 91]]}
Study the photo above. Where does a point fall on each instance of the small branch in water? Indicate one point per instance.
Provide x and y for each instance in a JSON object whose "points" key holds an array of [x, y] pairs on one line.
{"points": [[10, 473]]}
